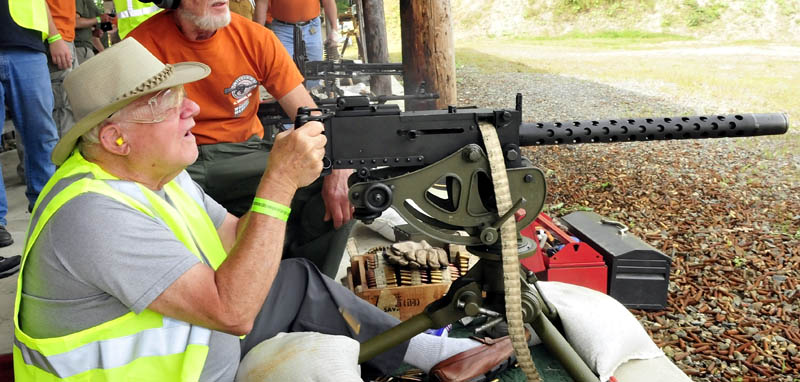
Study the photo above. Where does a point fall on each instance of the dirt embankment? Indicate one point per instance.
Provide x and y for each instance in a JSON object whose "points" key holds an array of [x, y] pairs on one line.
{"points": [[771, 20]]}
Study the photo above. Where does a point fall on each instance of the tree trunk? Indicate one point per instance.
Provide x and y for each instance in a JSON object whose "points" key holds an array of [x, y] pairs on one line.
{"points": [[377, 44], [428, 53]]}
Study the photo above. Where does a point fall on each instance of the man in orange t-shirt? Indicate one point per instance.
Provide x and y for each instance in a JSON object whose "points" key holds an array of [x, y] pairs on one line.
{"points": [[232, 153]]}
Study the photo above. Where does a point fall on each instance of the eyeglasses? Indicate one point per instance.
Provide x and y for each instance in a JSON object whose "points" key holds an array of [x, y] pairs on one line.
{"points": [[158, 107]]}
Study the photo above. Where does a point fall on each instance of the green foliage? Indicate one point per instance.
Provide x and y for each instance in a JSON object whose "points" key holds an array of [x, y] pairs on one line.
{"points": [[560, 209], [754, 8], [703, 14], [788, 7], [609, 7], [342, 6], [579, 6]]}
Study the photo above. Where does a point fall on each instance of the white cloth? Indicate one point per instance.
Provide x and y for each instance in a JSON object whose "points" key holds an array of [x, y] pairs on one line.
{"points": [[302, 357], [602, 331], [385, 224]]}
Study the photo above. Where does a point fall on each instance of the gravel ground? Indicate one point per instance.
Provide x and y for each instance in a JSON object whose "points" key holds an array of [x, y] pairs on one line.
{"points": [[727, 211]]}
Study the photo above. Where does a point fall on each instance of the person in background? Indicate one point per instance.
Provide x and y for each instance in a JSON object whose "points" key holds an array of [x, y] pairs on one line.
{"points": [[283, 16], [243, 8], [25, 89], [88, 19], [63, 14], [97, 39], [131, 13], [242, 56], [62, 58]]}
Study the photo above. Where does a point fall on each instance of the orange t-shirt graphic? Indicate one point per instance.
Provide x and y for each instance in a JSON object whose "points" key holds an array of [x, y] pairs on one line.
{"points": [[241, 55]]}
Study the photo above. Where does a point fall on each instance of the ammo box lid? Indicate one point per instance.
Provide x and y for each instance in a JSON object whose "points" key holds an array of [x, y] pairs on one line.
{"points": [[610, 238]]}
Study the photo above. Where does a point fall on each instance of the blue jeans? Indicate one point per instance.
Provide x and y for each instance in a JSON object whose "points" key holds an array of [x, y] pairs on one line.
{"points": [[25, 88], [312, 35]]}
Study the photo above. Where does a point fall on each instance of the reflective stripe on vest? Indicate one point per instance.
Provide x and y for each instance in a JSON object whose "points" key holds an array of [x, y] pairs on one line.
{"points": [[146, 346], [171, 338], [30, 14], [138, 12], [131, 13]]}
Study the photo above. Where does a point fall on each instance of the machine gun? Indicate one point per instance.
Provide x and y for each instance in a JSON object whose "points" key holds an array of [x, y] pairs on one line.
{"points": [[330, 70], [400, 157]]}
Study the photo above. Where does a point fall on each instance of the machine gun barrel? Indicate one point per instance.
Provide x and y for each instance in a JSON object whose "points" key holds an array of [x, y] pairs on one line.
{"points": [[650, 129]]}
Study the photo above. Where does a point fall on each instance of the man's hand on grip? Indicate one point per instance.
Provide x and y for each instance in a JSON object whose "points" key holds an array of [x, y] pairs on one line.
{"points": [[296, 156]]}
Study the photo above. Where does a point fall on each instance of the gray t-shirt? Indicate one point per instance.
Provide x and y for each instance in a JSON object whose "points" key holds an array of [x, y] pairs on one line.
{"points": [[98, 259]]}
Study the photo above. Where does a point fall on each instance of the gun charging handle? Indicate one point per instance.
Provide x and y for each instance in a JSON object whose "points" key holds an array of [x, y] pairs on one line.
{"points": [[309, 114]]}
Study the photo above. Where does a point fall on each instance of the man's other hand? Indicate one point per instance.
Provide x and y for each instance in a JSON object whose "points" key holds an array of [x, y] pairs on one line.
{"points": [[334, 194], [59, 52], [296, 156]]}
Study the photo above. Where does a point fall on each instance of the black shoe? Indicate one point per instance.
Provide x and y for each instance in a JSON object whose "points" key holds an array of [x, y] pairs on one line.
{"points": [[5, 237], [9, 265]]}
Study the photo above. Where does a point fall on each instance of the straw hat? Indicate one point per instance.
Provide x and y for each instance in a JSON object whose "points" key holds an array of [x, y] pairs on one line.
{"points": [[118, 76]]}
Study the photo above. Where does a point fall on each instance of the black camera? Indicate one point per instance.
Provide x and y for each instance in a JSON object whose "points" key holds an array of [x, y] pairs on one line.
{"points": [[106, 26]]}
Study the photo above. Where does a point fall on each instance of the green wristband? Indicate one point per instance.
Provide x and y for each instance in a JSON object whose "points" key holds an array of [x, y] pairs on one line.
{"points": [[270, 208], [54, 38], [99, 20]]}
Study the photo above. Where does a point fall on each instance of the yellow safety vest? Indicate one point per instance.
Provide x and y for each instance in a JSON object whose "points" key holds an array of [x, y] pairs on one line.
{"points": [[142, 347], [30, 14], [131, 13]]}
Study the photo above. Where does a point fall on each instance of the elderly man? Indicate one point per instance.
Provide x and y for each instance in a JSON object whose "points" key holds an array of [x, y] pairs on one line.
{"points": [[130, 271], [243, 55]]}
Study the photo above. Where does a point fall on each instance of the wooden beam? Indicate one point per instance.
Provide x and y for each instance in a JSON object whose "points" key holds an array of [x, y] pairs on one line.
{"points": [[428, 52]]}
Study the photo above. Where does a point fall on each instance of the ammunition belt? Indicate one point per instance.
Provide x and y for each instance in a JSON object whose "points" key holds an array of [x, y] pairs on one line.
{"points": [[508, 237]]}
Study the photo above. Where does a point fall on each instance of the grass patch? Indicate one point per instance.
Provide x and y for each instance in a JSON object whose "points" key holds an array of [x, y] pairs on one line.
{"points": [[609, 39], [625, 34], [489, 63]]}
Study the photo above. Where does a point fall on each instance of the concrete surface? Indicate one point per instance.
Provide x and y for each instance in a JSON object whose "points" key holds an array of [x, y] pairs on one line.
{"points": [[17, 224]]}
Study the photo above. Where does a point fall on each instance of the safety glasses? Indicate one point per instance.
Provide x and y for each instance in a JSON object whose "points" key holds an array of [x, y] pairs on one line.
{"points": [[158, 107]]}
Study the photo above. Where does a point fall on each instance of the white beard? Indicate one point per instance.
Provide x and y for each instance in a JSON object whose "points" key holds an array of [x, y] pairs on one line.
{"points": [[206, 22]]}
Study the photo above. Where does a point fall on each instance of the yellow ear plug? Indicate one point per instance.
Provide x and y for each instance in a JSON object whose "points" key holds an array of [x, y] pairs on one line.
{"points": [[120, 141]]}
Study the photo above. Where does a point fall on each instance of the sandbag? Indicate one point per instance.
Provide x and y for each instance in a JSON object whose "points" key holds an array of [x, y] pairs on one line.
{"points": [[302, 357]]}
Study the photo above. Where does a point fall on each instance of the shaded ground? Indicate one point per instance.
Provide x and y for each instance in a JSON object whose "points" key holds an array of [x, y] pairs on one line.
{"points": [[727, 211]]}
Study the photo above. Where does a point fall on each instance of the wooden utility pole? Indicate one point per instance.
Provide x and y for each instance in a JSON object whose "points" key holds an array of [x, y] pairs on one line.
{"points": [[428, 53], [377, 44]]}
